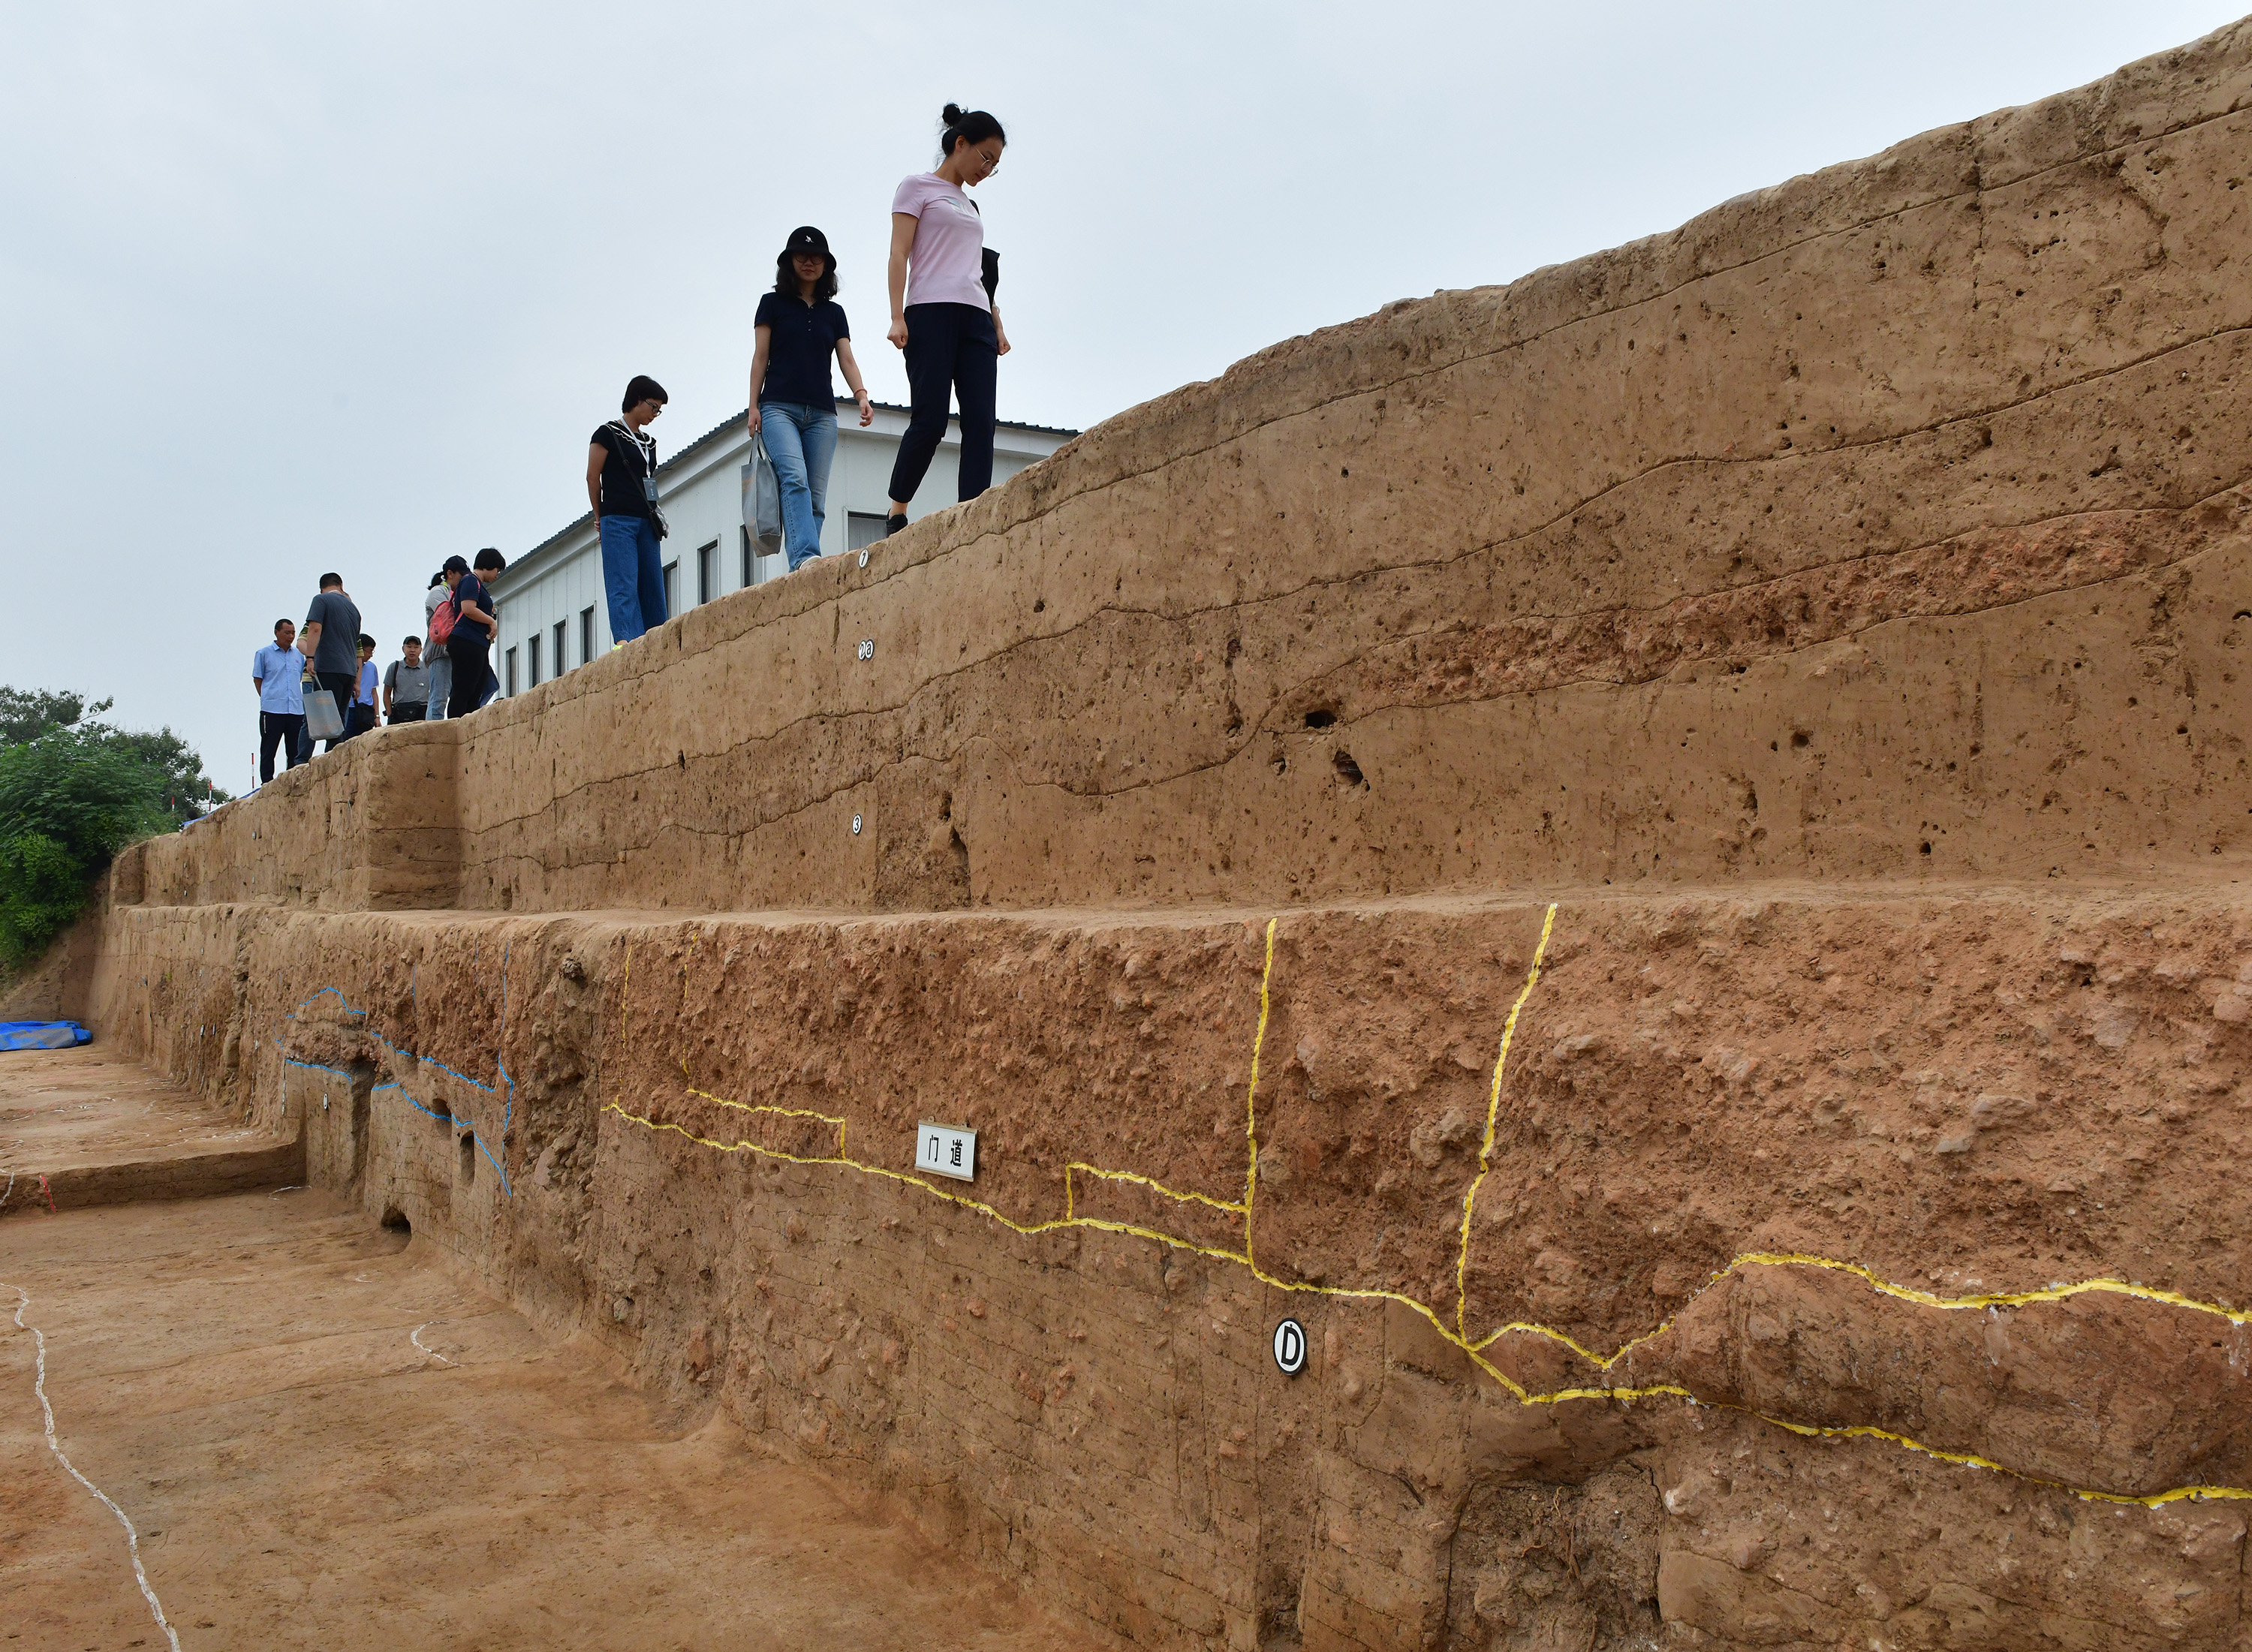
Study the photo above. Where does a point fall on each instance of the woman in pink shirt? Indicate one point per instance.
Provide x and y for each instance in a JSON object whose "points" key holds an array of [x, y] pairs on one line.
{"points": [[943, 315]]}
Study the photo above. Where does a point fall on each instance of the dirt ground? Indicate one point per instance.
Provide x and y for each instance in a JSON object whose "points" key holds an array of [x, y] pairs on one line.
{"points": [[242, 1376], [62, 1109]]}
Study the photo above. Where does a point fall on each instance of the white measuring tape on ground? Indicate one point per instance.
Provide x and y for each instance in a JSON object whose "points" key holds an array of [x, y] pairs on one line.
{"points": [[47, 1412], [415, 1338]]}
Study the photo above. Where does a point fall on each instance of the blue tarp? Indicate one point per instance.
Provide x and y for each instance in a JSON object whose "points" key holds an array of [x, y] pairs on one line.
{"points": [[42, 1035]]}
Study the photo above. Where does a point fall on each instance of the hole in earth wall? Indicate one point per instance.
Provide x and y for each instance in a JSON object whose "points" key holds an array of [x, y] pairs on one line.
{"points": [[363, 1110]]}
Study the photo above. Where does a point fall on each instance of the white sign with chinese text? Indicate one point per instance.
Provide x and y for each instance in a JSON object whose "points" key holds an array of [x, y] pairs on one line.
{"points": [[945, 1150]]}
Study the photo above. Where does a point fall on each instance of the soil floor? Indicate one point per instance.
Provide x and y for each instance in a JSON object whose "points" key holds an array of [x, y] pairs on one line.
{"points": [[322, 1437], [62, 1109]]}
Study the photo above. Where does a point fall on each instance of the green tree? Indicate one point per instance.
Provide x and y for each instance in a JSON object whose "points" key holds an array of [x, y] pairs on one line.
{"points": [[69, 801], [187, 794], [74, 792], [27, 713]]}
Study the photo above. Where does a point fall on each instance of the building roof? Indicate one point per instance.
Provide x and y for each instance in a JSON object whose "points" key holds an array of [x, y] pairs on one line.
{"points": [[737, 422]]}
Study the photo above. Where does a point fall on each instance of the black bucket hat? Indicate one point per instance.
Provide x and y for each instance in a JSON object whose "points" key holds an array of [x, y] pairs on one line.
{"points": [[806, 239]]}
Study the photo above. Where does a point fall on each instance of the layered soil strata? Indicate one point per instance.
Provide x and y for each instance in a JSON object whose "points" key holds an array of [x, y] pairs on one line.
{"points": [[1654, 853], [695, 1137]]}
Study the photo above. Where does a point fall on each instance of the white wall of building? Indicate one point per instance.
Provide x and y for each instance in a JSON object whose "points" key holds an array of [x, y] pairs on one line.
{"points": [[559, 582]]}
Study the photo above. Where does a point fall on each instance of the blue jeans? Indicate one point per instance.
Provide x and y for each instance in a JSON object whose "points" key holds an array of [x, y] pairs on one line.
{"points": [[442, 683], [801, 442], [632, 578]]}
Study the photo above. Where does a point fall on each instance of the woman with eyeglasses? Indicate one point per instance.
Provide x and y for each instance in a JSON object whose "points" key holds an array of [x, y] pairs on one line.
{"points": [[942, 282]]}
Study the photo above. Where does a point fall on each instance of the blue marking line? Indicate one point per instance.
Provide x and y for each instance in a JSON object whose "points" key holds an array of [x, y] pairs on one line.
{"points": [[509, 1107], [316, 998], [499, 1169], [431, 1061]]}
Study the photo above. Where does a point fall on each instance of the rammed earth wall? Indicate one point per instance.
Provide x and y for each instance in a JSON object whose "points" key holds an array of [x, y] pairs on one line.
{"points": [[1653, 853], [1892, 506]]}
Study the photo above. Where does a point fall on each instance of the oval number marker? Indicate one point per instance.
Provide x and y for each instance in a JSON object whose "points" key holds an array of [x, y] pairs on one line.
{"points": [[856, 825], [863, 558], [1290, 1347], [867, 648]]}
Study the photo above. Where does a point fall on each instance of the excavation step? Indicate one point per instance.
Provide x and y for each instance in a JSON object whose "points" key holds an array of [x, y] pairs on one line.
{"points": [[79, 1128], [316, 1436]]}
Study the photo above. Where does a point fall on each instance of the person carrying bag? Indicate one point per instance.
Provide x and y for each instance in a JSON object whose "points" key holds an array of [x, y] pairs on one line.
{"points": [[799, 327], [471, 621]]}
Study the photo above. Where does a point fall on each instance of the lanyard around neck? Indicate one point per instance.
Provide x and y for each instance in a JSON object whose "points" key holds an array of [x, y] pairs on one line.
{"points": [[647, 444]]}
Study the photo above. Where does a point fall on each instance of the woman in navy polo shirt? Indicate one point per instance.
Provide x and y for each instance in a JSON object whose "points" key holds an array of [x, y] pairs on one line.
{"points": [[793, 409]]}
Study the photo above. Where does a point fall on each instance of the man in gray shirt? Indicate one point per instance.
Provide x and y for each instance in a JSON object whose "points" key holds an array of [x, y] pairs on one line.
{"points": [[406, 684], [331, 639]]}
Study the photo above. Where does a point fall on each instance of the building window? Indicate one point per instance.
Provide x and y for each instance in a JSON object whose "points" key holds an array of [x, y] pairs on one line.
{"points": [[750, 559], [586, 635], [671, 590], [562, 649], [532, 658], [863, 530], [508, 675], [707, 571]]}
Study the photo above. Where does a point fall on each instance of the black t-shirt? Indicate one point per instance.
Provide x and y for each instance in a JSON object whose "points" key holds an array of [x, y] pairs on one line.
{"points": [[802, 339], [471, 590], [626, 472]]}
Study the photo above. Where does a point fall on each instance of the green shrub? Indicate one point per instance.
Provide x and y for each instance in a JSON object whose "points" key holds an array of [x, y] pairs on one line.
{"points": [[71, 796]]}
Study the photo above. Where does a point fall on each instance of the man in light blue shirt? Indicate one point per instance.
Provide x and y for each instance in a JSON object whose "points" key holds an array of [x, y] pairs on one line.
{"points": [[277, 671], [362, 717]]}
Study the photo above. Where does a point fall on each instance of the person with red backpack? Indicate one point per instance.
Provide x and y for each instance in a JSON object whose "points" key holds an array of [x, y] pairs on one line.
{"points": [[433, 652], [466, 623]]}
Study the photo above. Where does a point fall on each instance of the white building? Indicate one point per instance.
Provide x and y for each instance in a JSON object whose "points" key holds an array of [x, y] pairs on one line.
{"points": [[553, 614]]}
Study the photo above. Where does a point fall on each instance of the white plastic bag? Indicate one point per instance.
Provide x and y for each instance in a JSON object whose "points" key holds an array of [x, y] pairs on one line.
{"points": [[322, 720], [763, 500]]}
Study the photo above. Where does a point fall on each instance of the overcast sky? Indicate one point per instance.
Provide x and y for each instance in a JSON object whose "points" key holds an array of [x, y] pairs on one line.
{"points": [[292, 287]]}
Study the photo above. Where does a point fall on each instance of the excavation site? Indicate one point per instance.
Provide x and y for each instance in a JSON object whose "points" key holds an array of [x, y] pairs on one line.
{"points": [[1568, 969]]}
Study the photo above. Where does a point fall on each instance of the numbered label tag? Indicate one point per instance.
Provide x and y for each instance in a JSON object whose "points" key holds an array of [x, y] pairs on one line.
{"points": [[867, 648], [946, 1149], [863, 558], [1290, 1347], [856, 825]]}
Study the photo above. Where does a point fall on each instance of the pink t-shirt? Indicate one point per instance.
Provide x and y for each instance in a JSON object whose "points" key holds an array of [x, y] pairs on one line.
{"points": [[946, 264]]}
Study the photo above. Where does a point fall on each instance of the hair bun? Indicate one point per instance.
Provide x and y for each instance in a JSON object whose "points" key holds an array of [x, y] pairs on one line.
{"points": [[951, 114]]}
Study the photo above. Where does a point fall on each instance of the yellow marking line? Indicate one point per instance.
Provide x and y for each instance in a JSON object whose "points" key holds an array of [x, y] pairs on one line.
{"points": [[2057, 1293], [1492, 1117], [748, 1106], [1453, 1335], [968, 1204], [1251, 1090], [1152, 1183]]}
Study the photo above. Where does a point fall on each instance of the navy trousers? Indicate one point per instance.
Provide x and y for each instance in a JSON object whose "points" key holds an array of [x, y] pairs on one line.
{"points": [[952, 351]]}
